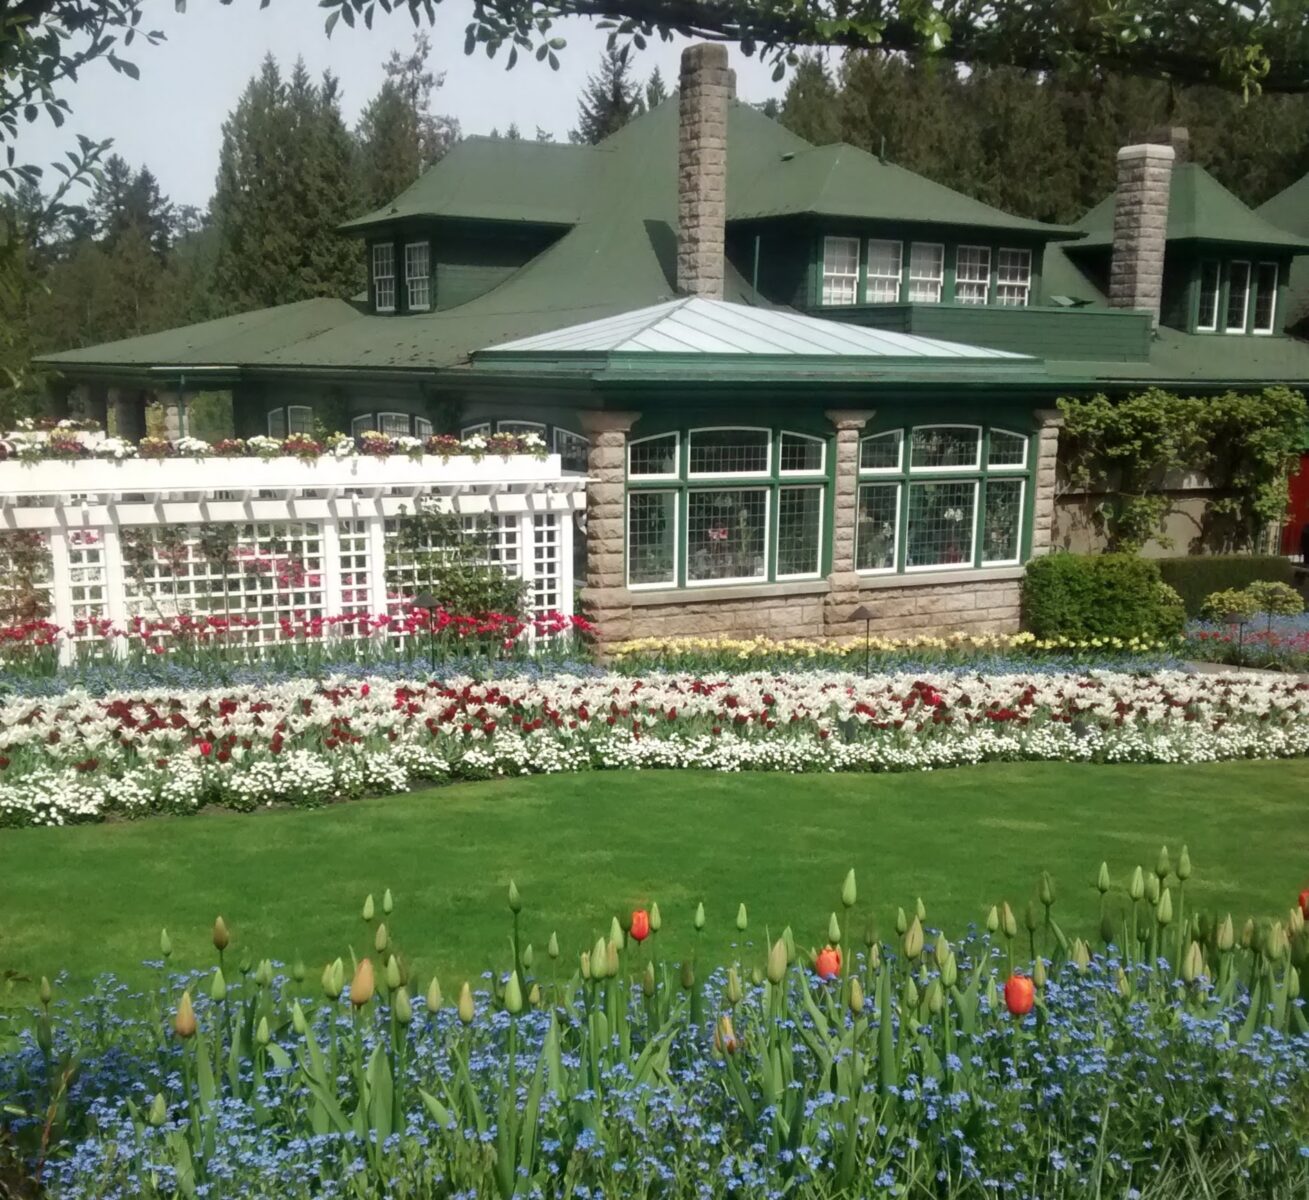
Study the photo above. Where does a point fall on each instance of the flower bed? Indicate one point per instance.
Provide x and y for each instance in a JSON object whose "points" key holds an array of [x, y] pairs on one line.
{"points": [[1172, 1063], [1279, 643], [76, 757]]}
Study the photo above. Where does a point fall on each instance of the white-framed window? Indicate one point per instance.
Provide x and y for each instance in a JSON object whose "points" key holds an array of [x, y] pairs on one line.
{"points": [[362, 425], [521, 428], [799, 549], [726, 535], [393, 424], [299, 419], [1007, 451], [422, 427], [277, 422], [945, 448], [881, 452], [734, 450], [840, 270], [877, 528], [972, 275], [384, 276], [654, 457], [1013, 277], [418, 276], [481, 429], [573, 449], [926, 272], [1265, 298], [1002, 522], [1238, 297], [1211, 278], [885, 268], [941, 525], [652, 538], [801, 454]]}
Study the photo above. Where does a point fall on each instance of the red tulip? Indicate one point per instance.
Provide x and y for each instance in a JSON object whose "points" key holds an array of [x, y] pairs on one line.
{"points": [[828, 964], [364, 689], [206, 749], [640, 925], [1019, 995], [1304, 903]]}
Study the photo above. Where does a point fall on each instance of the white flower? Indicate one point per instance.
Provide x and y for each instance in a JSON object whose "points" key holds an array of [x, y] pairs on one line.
{"points": [[114, 447], [190, 447]]}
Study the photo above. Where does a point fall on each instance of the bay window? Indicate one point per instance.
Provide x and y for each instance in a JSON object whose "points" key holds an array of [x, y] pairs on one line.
{"points": [[936, 497], [716, 506]]}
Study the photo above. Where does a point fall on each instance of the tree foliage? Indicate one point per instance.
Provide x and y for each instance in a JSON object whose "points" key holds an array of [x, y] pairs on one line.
{"points": [[610, 99]]}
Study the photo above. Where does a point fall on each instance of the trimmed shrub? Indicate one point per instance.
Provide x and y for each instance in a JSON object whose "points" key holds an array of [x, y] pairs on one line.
{"points": [[1199, 575], [1099, 595]]}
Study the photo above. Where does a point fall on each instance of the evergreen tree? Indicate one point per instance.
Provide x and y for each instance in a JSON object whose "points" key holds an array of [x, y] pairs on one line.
{"points": [[610, 99], [655, 91], [811, 105]]}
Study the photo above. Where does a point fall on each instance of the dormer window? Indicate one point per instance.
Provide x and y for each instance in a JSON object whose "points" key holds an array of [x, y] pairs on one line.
{"points": [[926, 272], [972, 275], [384, 276], [1210, 282], [1013, 278], [840, 270], [1265, 298], [1238, 297], [418, 276]]}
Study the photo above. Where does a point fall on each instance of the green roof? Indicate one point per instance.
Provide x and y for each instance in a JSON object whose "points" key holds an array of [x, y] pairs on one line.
{"points": [[1290, 210], [844, 181], [1199, 209], [497, 179]]}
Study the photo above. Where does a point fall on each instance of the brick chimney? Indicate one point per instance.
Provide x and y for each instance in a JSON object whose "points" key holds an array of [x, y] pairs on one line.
{"points": [[702, 170], [1136, 272]]}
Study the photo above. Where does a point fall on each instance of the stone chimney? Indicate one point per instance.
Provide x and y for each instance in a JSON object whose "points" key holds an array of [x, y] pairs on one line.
{"points": [[1176, 136], [1136, 272], [702, 170]]}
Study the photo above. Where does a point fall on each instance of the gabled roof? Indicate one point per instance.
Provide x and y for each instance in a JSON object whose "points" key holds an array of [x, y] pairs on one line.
{"points": [[1290, 210], [496, 179], [696, 326], [1199, 209], [844, 181]]}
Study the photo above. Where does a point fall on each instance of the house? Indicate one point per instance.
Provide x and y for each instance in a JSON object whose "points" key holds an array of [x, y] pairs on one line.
{"points": [[800, 379]]}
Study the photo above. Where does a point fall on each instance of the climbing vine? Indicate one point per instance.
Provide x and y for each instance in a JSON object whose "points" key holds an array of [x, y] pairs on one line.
{"points": [[1244, 445]]}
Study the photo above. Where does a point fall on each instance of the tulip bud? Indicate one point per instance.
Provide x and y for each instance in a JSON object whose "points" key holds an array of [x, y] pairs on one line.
{"points": [[262, 1034], [362, 985], [298, 1022], [1136, 889], [648, 979], [245, 964], [856, 995], [688, 974], [1045, 889], [656, 921], [789, 938], [1038, 973], [222, 939], [466, 1010], [513, 995], [950, 971], [1153, 889], [741, 919], [584, 964], [1008, 922], [599, 959], [1164, 913], [433, 998], [1102, 882], [368, 907], [1081, 956], [381, 939], [1277, 943], [993, 920], [777, 962], [552, 946], [1163, 867], [910, 994], [611, 961], [1124, 984], [734, 993], [393, 979], [935, 997], [1030, 920], [870, 933], [529, 957], [534, 996], [941, 951], [874, 956], [1226, 935], [913, 939], [699, 916], [725, 1039], [921, 909], [1184, 865], [387, 903], [218, 986], [1107, 930], [1295, 922], [901, 921], [264, 973], [1247, 933], [849, 892], [515, 901], [165, 947], [158, 1110], [45, 992], [402, 1005], [1192, 963], [184, 1020], [298, 970], [616, 938], [833, 930]]}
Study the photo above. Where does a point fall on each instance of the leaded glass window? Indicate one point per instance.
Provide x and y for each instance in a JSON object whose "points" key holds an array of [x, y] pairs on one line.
{"points": [[726, 534], [651, 538], [799, 531], [729, 451]]}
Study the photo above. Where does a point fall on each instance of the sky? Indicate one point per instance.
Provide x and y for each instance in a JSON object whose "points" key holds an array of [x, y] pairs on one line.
{"points": [[170, 119]]}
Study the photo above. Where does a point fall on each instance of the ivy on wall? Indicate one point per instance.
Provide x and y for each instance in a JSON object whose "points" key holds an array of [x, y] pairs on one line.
{"points": [[1244, 444]]}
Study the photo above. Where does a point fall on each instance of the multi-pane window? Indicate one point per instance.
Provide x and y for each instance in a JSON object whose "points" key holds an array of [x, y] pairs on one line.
{"points": [[953, 499], [277, 422], [1265, 298], [1013, 277], [926, 272], [573, 450], [521, 428], [1238, 297], [393, 424], [1206, 320], [422, 427], [418, 276], [741, 505], [972, 275], [384, 276], [840, 270], [295, 418], [885, 265]]}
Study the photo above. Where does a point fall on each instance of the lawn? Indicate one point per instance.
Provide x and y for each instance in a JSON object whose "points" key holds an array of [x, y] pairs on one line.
{"points": [[580, 847]]}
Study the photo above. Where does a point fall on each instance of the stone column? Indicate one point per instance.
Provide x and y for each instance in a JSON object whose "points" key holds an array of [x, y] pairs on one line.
{"points": [[844, 595], [605, 598], [702, 170], [126, 413], [1136, 271], [174, 409], [1043, 480]]}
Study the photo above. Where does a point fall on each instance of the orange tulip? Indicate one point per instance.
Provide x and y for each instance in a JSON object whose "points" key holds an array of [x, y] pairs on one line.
{"points": [[640, 925], [1019, 995], [828, 964], [362, 986]]}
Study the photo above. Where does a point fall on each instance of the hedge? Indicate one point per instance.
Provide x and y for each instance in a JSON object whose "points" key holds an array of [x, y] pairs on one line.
{"points": [[1196, 576], [1098, 595]]}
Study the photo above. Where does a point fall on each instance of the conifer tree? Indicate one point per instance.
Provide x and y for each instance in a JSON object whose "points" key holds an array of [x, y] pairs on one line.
{"points": [[610, 99]]}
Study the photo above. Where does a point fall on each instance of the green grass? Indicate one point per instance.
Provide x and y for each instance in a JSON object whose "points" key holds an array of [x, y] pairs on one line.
{"points": [[581, 847]]}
